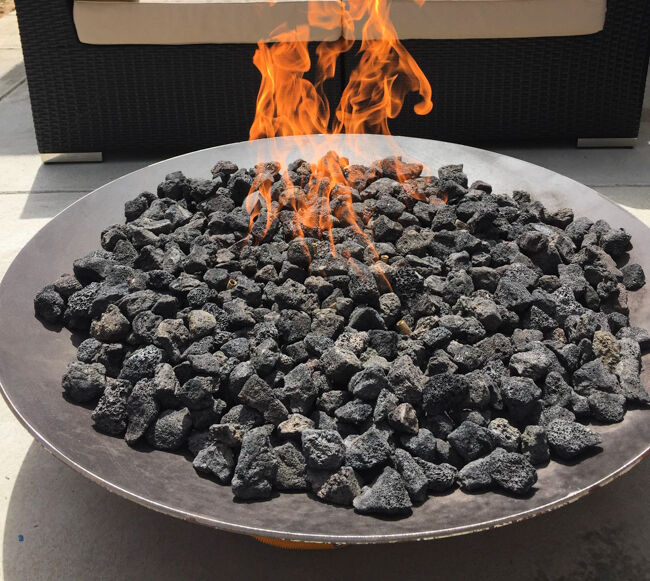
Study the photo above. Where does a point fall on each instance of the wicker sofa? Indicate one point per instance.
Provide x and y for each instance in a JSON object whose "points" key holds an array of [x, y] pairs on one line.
{"points": [[139, 97]]}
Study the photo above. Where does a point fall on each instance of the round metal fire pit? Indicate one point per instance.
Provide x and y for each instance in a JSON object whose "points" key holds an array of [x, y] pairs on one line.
{"points": [[33, 359]]}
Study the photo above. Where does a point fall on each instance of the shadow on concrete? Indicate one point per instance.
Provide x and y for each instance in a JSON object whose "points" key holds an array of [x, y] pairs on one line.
{"points": [[73, 529], [11, 79]]}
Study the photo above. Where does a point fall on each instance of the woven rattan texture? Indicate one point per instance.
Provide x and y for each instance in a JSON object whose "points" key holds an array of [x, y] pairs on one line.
{"points": [[180, 98]]}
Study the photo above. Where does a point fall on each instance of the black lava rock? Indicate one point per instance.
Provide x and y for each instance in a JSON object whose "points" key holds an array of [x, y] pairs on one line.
{"points": [[430, 333]]}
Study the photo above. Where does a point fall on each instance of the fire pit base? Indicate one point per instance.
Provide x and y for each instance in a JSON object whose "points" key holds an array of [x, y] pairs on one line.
{"points": [[32, 361]]}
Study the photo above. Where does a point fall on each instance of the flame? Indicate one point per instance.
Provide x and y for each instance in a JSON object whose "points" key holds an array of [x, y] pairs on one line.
{"points": [[288, 104]]}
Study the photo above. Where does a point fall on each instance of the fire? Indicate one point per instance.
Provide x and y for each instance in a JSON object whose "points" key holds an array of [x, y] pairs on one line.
{"points": [[290, 104]]}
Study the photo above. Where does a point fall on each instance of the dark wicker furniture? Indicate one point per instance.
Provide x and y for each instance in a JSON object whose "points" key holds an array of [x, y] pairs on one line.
{"points": [[178, 98]]}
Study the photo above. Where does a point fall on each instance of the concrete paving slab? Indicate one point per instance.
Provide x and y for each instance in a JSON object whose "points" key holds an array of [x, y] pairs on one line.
{"points": [[593, 167], [9, 35]]}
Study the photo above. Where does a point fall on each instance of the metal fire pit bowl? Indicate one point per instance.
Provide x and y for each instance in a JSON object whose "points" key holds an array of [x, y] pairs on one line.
{"points": [[33, 359]]}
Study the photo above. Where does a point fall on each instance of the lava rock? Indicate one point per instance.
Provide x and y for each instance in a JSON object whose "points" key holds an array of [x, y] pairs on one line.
{"points": [[404, 419], [633, 277], [49, 305], [292, 468], [142, 410], [387, 495], [216, 460], [471, 441], [110, 414], [340, 487], [84, 382], [170, 430], [323, 449], [608, 408], [505, 435], [256, 467], [413, 475], [257, 394], [369, 450], [534, 445], [570, 439]]}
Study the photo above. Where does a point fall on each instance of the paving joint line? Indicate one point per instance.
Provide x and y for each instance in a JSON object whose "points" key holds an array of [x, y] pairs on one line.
{"points": [[12, 89]]}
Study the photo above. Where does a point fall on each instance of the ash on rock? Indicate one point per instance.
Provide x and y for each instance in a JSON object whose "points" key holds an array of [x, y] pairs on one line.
{"points": [[434, 345]]}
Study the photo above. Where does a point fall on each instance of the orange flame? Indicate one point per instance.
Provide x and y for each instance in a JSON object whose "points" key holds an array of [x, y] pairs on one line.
{"points": [[289, 104]]}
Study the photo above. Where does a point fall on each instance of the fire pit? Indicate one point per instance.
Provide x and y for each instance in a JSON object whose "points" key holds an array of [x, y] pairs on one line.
{"points": [[166, 481]]}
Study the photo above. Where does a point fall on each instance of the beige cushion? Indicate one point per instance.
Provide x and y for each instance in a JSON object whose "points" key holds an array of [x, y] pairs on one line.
{"points": [[492, 18], [248, 21], [191, 21]]}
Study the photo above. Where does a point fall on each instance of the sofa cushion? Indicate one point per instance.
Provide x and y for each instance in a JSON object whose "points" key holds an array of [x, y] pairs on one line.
{"points": [[248, 21], [492, 18], [192, 21]]}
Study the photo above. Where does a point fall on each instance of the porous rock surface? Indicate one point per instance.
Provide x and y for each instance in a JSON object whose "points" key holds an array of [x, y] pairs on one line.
{"points": [[446, 334]]}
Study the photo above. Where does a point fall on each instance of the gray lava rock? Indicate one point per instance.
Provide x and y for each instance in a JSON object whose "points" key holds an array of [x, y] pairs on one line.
{"points": [[423, 445], [354, 412], [520, 397], [387, 495], [406, 380], [141, 364], [594, 375], [512, 472], [404, 419], [607, 407], [475, 476], [49, 305], [386, 402], [534, 445], [170, 430], [633, 277], [142, 410], [292, 468], [323, 449], [368, 450], [340, 487], [413, 475], [84, 382], [570, 439], [505, 435], [534, 364], [196, 393], [440, 477], [216, 460], [257, 394], [340, 365], [110, 415], [256, 467], [300, 389], [471, 441], [368, 383], [444, 392], [513, 295]]}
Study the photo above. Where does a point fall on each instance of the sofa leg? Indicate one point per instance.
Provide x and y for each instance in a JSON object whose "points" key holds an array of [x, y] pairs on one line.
{"points": [[74, 157], [606, 142]]}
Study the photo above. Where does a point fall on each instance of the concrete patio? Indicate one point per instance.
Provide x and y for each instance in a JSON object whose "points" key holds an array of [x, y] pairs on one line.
{"points": [[55, 524]]}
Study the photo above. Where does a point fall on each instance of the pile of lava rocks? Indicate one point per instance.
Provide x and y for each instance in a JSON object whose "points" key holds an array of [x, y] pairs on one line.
{"points": [[473, 339]]}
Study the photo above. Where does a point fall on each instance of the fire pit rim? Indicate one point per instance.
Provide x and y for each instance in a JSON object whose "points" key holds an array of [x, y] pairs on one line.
{"points": [[455, 154]]}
